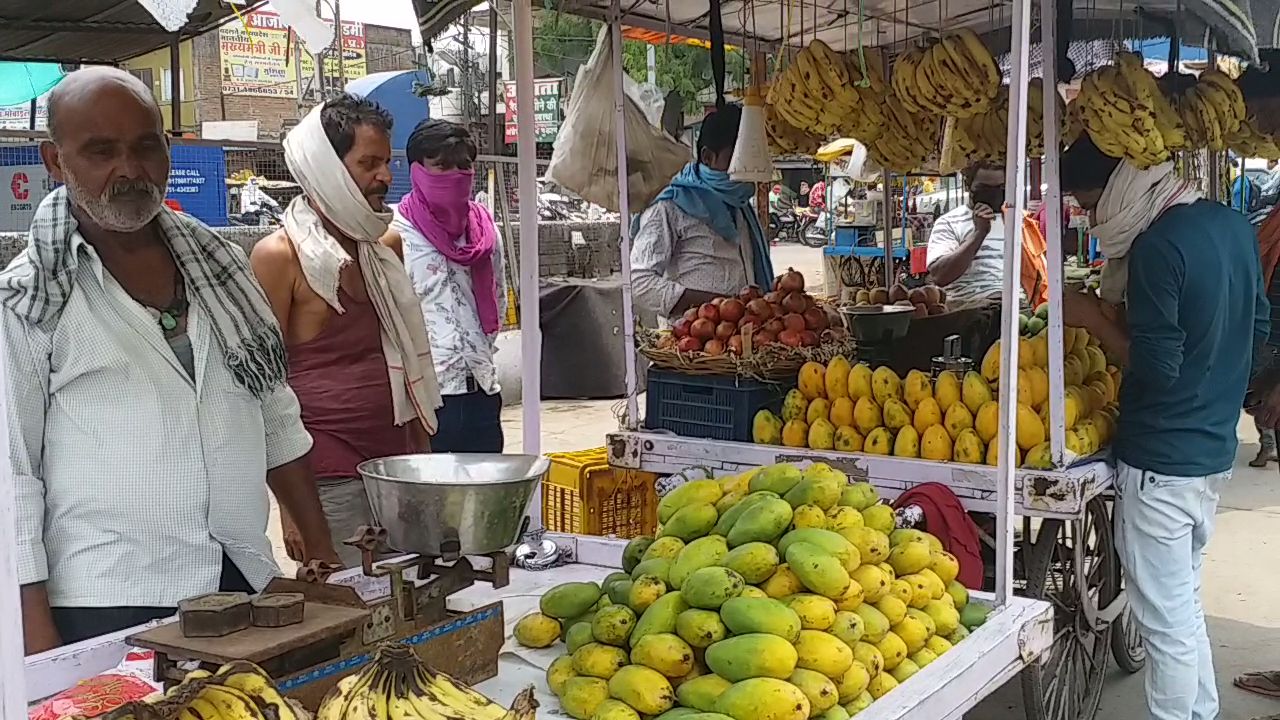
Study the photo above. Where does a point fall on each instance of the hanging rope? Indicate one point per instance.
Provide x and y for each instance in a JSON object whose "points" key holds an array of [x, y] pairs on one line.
{"points": [[717, 52]]}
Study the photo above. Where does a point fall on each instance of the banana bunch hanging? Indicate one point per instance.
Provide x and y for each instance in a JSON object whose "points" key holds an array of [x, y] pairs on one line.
{"points": [[814, 94], [956, 76], [984, 137], [1121, 118], [1248, 141], [908, 140], [867, 122], [786, 139], [1212, 110]]}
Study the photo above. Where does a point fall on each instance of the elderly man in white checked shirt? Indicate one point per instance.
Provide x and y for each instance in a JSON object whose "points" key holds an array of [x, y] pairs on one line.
{"points": [[149, 408]]}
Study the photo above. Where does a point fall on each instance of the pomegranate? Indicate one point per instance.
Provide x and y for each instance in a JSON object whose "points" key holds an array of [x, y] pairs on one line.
{"points": [[681, 328], [710, 312], [795, 303], [734, 345], [775, 296], [714, 347], [725, 330], [689, 344], [760, 308], [809, 338], [794, 321], [751, 320], [762, 339], [691, 314], [775, 326], [718, 301], [790, 338], [732, 310], [791, 281], [749, 293], [702, 329], [921, 310], [815, 319]]}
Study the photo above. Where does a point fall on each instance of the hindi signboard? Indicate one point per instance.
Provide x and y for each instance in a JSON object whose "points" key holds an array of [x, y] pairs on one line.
{"points": [[546, 109], [257, 57]]}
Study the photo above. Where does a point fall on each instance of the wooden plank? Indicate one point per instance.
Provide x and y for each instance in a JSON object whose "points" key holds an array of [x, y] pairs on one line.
{"points": [[1050, 494], [321, 622]]}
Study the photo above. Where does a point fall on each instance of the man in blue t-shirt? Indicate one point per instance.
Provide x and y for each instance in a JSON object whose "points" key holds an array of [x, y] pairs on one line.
{"points": [[1186, 273]]}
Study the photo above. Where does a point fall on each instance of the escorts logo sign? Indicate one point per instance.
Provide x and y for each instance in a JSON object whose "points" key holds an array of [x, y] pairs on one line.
{"points": [[19, 185]]}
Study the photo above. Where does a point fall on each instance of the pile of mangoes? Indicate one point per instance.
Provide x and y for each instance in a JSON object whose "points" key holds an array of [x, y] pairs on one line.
{"points": [[778, 594]]}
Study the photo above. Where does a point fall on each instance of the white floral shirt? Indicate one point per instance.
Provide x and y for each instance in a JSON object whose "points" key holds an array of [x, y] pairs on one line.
{"points": [[459, 346]]}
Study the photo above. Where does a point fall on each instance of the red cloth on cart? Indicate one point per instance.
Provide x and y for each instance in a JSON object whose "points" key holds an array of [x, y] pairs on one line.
{"points": [[947, 520]]}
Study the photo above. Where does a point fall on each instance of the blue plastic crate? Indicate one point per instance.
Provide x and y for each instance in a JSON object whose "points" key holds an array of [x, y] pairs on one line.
{"points": [[708, 406]]}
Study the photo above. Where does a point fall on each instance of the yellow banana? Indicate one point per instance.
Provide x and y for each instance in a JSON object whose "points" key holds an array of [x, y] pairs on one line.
{"points": [[463, 697], [904, 77], [231, 703], [335, 702], [259, 687], [982, 58]]}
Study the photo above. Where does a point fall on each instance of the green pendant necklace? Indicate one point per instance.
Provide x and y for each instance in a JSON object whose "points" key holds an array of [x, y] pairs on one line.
{"points": [[172, 314]]}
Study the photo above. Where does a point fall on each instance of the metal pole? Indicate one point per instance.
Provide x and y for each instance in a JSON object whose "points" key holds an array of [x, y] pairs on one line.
{"points": [[632, 420], [1015, 194], [340, 44], [13, 689], [175, 84], [467, 95], [888, 227], [651, 59], [318, 61], [297, 72], [530, 328], [31, 121], [495, 139], [1053, 231]]}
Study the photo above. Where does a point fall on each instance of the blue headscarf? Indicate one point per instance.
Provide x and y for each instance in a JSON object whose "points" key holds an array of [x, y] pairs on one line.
{"points": [[710, 196]]}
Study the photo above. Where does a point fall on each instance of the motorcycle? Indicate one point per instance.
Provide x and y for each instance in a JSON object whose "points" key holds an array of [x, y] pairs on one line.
{"points": [[783, 227], [813, 230], [265, 216]]}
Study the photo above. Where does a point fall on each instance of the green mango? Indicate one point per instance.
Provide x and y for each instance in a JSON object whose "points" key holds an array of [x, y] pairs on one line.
{"points": [[690, 493], [833, 543], [778, 478], [634, 552], [710, 587], [743, 615], [755, 655], [762, 522], [818, 570], [730, 516], [754, 561], [657, 567], [703, 552], [701, 692], [690, 522], [660, 617], [569, 600]]}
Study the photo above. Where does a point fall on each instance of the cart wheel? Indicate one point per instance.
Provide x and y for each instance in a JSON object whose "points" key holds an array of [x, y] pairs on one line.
{"points": [[1072, 565], [851, 273]]}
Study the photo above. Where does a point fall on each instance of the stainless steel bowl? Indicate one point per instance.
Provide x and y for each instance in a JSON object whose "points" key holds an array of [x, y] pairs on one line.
{"points": [[451, 504]]}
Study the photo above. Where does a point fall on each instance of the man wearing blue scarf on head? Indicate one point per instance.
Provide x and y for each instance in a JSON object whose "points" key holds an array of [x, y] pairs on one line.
{"points": [[700, 238]]}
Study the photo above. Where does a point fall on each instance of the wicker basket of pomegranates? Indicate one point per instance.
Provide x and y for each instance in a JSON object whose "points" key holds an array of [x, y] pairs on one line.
{"points": [[756, 334]]}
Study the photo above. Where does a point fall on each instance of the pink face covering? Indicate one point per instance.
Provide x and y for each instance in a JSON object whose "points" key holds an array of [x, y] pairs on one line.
{"points": [[440, 207]]}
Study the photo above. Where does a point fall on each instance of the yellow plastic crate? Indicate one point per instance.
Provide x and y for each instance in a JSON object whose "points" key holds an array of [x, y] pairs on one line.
{"points": [[582, 494]]}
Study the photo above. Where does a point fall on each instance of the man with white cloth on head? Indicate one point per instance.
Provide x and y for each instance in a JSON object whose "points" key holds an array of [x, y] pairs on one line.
{"points": [[1194, 312], [359, 354]]}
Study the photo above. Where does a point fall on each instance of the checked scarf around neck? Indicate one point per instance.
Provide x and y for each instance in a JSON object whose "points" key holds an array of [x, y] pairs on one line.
{"points": [[326, 183], [37, 285]]}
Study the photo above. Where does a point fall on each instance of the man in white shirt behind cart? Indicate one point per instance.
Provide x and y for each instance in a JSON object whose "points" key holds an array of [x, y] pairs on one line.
{"points": [[453, 253], [966, 245], [148, 406]]}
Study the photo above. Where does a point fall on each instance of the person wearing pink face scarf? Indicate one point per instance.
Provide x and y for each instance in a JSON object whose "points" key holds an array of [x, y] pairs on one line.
{"points": [[454, 259]]}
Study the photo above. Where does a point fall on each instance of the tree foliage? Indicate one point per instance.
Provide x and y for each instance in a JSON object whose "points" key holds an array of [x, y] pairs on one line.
{"points": [[563, 42]]}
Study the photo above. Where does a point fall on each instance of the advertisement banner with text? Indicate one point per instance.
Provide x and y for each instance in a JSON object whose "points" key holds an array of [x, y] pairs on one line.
{"points": [[257, 57], [546, 109]]}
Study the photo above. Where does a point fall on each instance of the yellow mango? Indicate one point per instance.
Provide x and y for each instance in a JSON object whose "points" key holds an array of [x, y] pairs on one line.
{"points": [[1039, 457], [841, 517], [1026, 355], [859, 382], [893, 648], [885, 384], [946, 390], [763, 698], [818, 688], [927, 414], [975, 391], [816, 612], [990, 367], [935, 444], [848, 439], [644, 689], [1040, 349], [1029, 431], [1038, 378], [916, 388], [878, 442], [866, 415], [581, 696], [823, 652], [987, 420], [957, 419], [822, 434], [812, 380], [896, 415], [907, 443], [808, 516], [841, 412], [559, 672], [968, 447], [818, 408], [794, 405], [836, 378], [795, 434], [782, 583], [766, 428]]}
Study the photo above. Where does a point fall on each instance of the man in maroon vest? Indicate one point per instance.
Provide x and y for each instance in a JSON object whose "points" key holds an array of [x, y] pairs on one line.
{"points": [[359, 357]]}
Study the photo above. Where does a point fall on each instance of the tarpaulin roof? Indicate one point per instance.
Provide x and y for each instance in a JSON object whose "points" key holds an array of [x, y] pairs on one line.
{"points": [[93, 31]]}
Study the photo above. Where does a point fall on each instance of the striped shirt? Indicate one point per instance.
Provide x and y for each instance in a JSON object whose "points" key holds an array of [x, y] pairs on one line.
{"points": [[132, 478], [673, 251], [983, 278]]}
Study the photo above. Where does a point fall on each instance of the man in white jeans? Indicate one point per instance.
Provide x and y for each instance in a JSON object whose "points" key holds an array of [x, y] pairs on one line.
{"points": [[1187, 273]]}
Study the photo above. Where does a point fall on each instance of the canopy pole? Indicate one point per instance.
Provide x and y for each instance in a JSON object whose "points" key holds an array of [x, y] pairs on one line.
{"points": [[632, 420], [530, 320], [1015, 194], [887, 177], [13, 689], [1053, 232], [175, 85]]}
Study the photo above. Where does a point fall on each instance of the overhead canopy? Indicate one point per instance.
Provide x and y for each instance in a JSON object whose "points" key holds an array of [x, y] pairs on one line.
{"points": [[892, 23], [93, 31]]}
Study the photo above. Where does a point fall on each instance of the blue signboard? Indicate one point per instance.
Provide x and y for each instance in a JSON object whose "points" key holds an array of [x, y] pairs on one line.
{"points": [[197, 183]]}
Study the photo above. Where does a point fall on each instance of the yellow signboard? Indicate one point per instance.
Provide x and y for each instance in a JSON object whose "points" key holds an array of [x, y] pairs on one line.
{"points": [[259, 60]]}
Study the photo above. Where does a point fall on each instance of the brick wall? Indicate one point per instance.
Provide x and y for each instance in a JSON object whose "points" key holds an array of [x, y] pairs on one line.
{"points": [[388, 49]]}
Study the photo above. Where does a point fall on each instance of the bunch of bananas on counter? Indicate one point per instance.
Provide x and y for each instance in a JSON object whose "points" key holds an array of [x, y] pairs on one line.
{"points": [[956, 76], [1248, 141], [239, 690], [1212, 110], [822, 93], [908, 139], [1118, 111], [396, 685]]}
